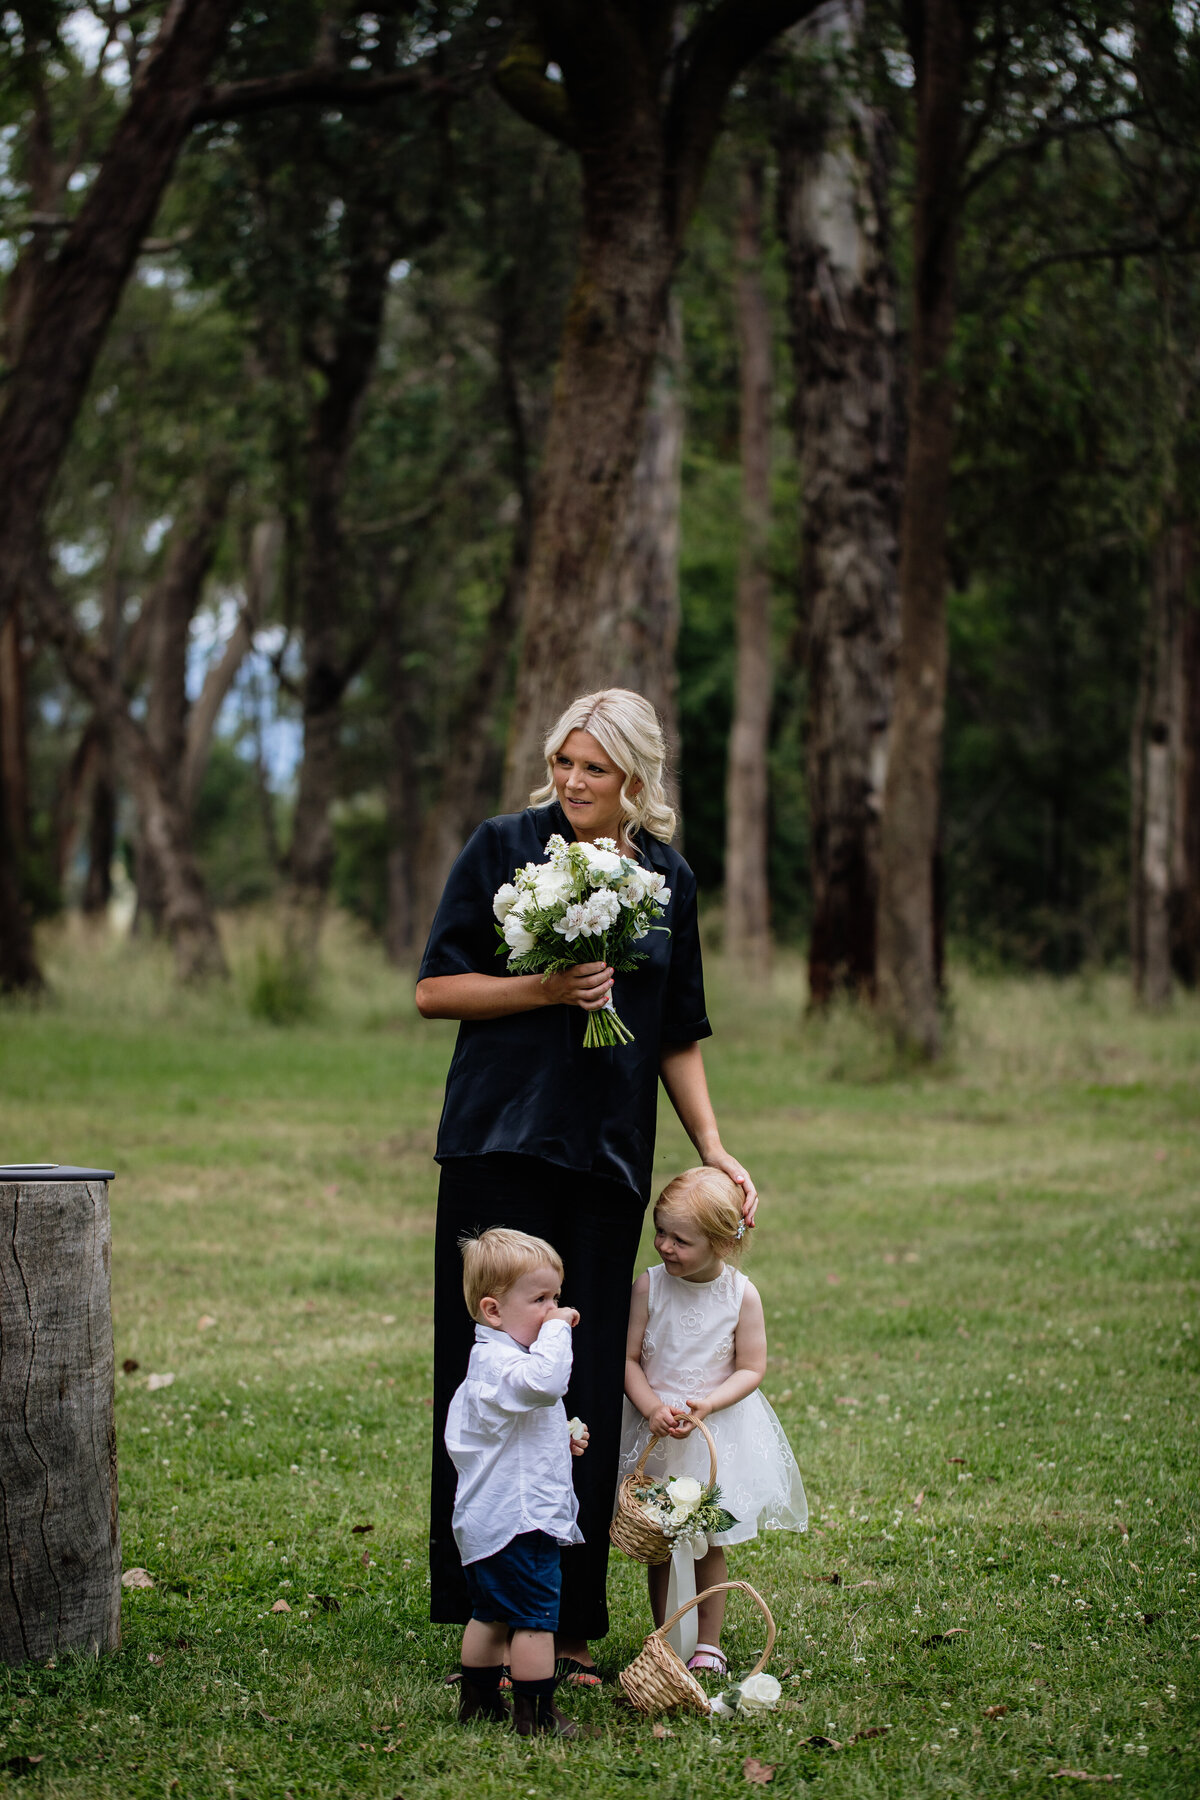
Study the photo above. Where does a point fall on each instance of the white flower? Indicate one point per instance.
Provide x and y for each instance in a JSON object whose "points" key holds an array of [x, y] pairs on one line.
{"points": [[719, 1707], [571, 923], [656, 884], [557, 849], [517, 935], [606, 843], [600, 911], [506, 898], [633, 890], [601, 861], [577, 1429], [551, 885], [684, 1491], [758, 1693]]}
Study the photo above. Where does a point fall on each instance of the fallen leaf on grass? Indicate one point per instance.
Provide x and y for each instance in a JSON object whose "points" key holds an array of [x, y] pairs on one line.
{"points": [[270, 1718], [205, 1322], [759, 1774], [872, 1731], [833, 1280], [661, 1731], [834, 1580], [994, 1712], [40, 1757], [1080, 1775], [957, 1459], [1122, 1528], [130, 1365], [154, 1382], [942, 1637], [858, 1584], [137, 1578], [847, 1400], [158, 1661], [365, 1559], [919, 1501], [817, 1742], [359, 1529], [281, 1606]]}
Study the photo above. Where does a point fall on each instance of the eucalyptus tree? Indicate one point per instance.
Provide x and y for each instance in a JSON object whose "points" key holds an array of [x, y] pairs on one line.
{"points": [[640, 93]]}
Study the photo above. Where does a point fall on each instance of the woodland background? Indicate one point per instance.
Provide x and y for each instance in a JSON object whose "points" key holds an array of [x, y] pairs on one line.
{"points": [[375, 380]]}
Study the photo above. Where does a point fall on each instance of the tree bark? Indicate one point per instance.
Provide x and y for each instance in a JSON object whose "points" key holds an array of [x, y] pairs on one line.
{"points": [[841, 290], [907, 971], [164, 828], [1159, 772], [77, 292], [327, 667], [747, 911], [643, 105], [18, 960], [58, 1446], [1185, 918]]}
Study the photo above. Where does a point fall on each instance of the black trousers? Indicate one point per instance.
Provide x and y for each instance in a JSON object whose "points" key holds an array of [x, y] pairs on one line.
{"points": [[595, 1226]]}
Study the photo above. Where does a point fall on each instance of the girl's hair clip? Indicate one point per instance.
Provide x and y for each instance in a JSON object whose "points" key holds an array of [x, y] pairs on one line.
{"points": [[741, 1230]]}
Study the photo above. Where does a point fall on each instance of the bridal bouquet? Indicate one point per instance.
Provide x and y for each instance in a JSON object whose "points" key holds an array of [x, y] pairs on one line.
{"points": [[584, 903], [682, 1508]]}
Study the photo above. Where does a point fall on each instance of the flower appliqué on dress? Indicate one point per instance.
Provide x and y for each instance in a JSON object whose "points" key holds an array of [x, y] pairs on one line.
{"points": [[692, 1321]]}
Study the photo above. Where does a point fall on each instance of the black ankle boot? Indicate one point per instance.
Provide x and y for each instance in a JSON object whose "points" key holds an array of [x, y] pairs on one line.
{"points": [[534, 1711], [479, 1697]]}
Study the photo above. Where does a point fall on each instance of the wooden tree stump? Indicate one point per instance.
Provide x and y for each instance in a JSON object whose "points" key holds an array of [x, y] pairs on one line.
{"points": [[60, 1584]]}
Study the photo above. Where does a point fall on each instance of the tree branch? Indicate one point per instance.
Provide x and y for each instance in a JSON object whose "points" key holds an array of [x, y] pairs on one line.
{"points": [[1051, 134], [521, 81], [1149, 246], [724, 41], [235, 99]]}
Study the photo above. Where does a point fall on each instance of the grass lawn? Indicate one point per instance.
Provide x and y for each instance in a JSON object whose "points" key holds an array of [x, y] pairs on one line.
{"points": [[981, 1291]]}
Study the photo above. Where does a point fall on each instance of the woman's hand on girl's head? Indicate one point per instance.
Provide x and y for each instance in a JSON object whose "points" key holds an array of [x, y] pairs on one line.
{"points": [[587, 985], [729, 1165]]}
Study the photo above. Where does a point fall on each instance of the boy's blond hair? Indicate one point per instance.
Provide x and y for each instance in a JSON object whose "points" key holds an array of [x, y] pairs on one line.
{"points": [[496, 1259], [713, 1200]]}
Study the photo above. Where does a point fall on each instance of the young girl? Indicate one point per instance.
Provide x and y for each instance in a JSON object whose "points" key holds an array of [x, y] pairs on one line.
{"points": [[697, 1349]]}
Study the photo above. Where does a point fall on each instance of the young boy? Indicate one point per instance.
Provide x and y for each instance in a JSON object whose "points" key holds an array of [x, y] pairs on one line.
{"points": [[508, 1437]]}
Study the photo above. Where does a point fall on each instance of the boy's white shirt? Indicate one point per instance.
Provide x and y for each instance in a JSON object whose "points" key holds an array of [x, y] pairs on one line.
{"points": [[507, 1435]]}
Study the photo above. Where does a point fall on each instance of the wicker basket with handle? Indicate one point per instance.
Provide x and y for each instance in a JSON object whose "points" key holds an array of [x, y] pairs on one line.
{"points": [[631, 1531], [657, 1679]]}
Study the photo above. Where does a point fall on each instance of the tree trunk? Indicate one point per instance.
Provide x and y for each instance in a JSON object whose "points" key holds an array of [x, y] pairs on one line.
{"points": [[102, 825], [907, 974], [1185, 920], [327, 666], [58, 1444], [747, 915], [841, 288], [18, 961], [187, 916], [78, 291], [1157, 763], [172, 607], [611, 337]]}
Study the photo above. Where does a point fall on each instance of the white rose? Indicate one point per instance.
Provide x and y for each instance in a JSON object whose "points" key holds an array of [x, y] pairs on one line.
{"points": [[577, 1429], [551, 885], [506, 898], [684, 1491], [601, 862], [758, 1693], [517, 935]]}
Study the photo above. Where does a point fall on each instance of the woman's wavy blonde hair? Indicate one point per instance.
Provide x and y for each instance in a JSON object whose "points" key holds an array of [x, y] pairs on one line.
{"points": [[626, 727]]}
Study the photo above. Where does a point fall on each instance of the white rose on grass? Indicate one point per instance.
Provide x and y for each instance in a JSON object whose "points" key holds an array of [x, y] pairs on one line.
{"points": [[758, 1693], [517, 935], [684, 1491], [506, 898]]}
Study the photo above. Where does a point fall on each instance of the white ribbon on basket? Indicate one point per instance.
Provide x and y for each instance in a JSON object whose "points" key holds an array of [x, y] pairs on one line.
{"points": [[681, 1587]]}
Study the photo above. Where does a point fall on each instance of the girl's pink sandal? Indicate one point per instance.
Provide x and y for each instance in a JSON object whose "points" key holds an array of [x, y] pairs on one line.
{"points": [[709, 1660]]}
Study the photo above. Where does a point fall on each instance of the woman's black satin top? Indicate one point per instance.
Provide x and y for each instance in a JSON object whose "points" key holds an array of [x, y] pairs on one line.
{"points": [[524, 1084]]}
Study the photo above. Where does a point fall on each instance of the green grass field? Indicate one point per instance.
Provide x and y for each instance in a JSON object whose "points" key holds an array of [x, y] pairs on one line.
{"points": [[981, 1289]]}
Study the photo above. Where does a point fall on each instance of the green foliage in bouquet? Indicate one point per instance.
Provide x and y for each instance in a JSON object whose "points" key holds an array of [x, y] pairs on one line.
{"points": [[585, 903], [681, 1507]]}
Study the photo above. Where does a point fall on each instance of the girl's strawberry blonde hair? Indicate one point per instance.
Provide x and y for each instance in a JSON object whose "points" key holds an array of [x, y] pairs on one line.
{"points": [[714, 1200]]}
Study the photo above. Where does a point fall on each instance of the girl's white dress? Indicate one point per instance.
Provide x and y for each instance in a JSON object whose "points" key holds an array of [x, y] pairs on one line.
{"points": [[687, 1351]]}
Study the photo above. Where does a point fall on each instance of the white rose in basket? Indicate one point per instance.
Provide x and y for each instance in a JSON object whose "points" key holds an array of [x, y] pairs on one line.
{"points": [[684, 1492]]}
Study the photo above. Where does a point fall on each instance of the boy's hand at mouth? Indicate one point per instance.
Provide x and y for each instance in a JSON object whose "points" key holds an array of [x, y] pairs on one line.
{"points": [[568, 1313]]}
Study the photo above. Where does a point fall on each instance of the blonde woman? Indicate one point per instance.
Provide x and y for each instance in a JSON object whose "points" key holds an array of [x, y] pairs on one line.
{"points": [[545, 1137]]}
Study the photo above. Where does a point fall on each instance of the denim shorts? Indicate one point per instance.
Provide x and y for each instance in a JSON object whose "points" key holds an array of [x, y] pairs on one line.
{"points": [[518, 1586]]}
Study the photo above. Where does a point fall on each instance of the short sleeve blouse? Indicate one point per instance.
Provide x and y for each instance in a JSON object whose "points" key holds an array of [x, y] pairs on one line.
{"points": [[524, 1084]]}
